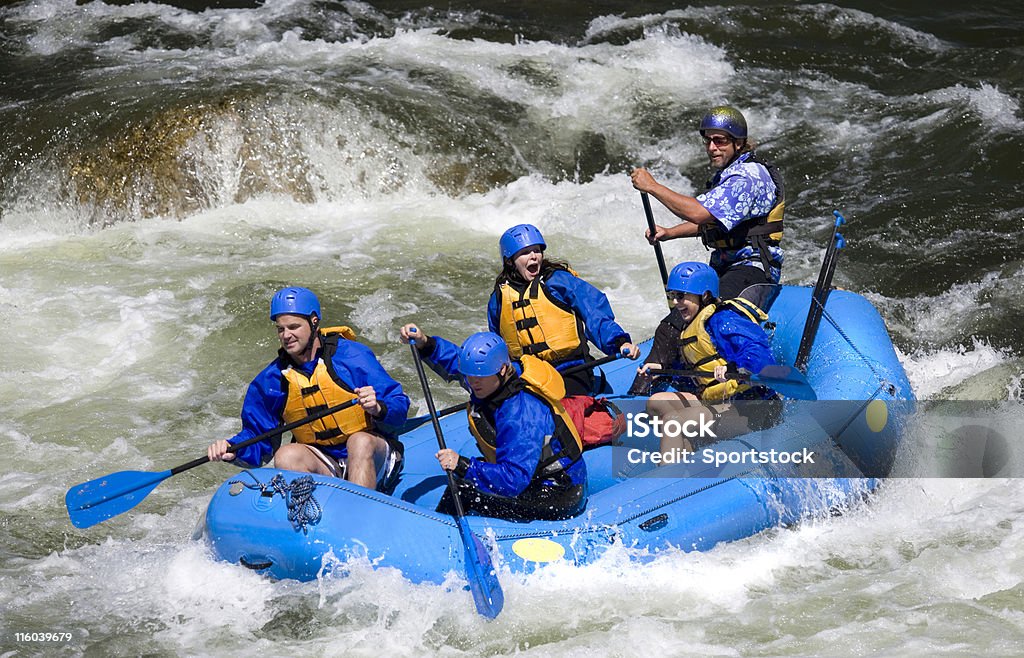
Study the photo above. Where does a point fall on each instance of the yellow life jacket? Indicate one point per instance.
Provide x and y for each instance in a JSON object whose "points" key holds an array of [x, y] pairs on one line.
{"points": [[541, 380], [699, 352], [532, 322], [759, 232], [319, 391]]}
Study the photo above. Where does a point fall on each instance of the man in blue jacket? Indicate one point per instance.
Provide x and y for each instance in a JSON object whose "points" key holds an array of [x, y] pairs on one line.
{"points": [[317, 368], [531, 466]]}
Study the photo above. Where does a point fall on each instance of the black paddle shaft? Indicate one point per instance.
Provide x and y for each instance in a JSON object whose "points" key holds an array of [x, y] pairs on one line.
{"points": [[819, 297], [452, 486], [274, 432], [657, 245], [698, 374]]}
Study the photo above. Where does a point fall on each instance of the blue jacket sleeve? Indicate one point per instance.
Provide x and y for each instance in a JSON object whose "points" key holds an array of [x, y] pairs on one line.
{"points": [[522, 422], [740, 342], [261, 412], [357, 366], [592, 305], [493, 313], [444, 359]]}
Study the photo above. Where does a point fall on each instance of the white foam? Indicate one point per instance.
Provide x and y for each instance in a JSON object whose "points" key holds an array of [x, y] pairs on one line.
{"points": [[997, 109], [933, 370]]}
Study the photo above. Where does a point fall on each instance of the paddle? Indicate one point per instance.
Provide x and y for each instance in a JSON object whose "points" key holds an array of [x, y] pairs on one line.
{"points": [[592, 364], [483, 581], [820, 295], [95, 501], [657, 245], [782, 379], [413, 423]]}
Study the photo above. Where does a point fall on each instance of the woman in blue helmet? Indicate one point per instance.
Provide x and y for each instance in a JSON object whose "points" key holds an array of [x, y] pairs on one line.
{"points": [[739, 216], [712, 336], [318, 368], [541, 307], [531, 465]]}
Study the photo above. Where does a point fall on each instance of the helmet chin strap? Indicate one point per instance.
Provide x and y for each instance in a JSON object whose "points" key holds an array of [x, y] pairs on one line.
{"points": [[314, 324]]}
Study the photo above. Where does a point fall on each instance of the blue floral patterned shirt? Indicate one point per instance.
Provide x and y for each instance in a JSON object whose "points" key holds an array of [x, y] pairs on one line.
{"points": [[741, 191]]}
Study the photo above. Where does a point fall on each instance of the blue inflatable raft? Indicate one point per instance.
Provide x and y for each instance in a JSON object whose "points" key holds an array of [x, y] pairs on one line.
{"points": [[853, 431]]}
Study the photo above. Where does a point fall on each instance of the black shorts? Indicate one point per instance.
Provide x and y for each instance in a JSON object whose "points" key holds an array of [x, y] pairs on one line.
{"points": [[580, 383], [734, 280]]}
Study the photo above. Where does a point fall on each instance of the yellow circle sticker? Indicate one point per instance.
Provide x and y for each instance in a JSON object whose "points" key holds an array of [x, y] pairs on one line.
{"points": [[536, 549], [877, 415]]}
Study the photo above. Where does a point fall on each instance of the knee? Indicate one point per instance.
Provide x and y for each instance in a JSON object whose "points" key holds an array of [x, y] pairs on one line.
{"points": [[289, 457], [660, 404], [361, 446]]}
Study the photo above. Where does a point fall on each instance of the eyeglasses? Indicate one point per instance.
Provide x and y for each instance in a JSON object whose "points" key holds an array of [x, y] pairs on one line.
{"points": [[718, 140], [675, 296]]}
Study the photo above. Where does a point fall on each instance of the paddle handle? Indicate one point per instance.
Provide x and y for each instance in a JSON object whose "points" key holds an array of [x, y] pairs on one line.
{"points": [[657, 245], [271, 433]]}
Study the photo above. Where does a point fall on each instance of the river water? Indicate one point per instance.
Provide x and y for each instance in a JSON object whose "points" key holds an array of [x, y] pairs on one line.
{"points": [[165, 167]]}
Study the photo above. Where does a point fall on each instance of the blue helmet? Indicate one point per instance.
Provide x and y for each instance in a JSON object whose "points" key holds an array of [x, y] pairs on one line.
{"points": [[694, 278], [725, 118], [294, 301], [483, 354], [520, 237]]}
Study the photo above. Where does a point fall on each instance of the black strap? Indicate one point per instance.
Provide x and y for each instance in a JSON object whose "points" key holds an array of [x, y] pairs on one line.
{"points": [[707, 359], [535, 288], [759, 243], [328, 434]]}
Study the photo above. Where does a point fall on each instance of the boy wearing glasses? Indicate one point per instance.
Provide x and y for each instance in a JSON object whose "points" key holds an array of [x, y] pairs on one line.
{"points": [[739, 216]]}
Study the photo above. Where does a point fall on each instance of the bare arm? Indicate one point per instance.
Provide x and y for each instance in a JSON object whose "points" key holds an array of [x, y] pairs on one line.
{"points": [[685, 207]]}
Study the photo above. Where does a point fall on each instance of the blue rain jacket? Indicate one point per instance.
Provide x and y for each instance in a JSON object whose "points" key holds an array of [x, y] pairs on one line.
{"points": [[522, 421], [355, 364]]}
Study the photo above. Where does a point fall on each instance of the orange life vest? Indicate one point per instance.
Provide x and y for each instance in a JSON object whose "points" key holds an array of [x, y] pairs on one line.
{"points": [[541, 380], [699, 352], [319, 391]]}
